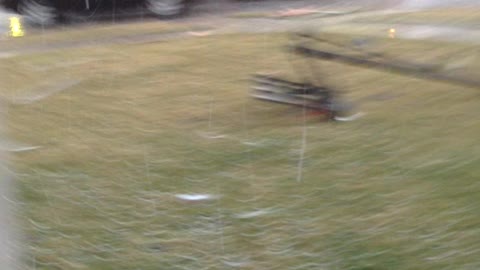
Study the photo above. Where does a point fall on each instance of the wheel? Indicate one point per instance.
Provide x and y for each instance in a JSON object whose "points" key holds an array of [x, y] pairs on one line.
{"points": [[166, 8], [38, 12]]}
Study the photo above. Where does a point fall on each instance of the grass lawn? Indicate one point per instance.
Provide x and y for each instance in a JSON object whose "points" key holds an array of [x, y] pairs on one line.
{"points": [[91, 34], [397, 189]]}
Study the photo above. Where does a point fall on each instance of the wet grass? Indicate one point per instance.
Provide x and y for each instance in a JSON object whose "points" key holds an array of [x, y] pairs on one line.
{"points": [[88, 34], [396, 189]]}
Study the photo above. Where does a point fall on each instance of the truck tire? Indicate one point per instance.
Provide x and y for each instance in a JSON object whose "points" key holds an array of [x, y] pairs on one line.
{"points": [[38, 12], [166, 8]]}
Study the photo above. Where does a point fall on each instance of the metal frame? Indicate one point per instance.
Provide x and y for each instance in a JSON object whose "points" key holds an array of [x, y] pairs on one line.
{"points": [[309, 93]]}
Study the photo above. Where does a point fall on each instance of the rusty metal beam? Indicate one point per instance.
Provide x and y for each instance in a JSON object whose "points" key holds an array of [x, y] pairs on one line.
{"points": [[405, 68]]}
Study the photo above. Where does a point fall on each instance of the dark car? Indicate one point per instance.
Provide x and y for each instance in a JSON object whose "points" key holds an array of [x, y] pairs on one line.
{"points": [[47, 12]]}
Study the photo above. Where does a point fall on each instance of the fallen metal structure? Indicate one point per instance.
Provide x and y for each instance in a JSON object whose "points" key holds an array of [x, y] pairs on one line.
{"points": [[326, 99], [283, 91], [379, 62]]}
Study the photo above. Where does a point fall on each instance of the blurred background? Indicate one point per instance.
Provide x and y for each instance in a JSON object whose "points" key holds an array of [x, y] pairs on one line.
{"points": [[133, 136]]}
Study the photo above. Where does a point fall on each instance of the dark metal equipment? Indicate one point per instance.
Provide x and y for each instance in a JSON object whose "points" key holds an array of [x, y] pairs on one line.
{"points": [[326, 99], [377, 61], [307, 95]]}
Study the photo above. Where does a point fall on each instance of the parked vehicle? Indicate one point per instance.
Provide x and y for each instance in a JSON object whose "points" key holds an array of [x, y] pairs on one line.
{"points": [[47, 12]]}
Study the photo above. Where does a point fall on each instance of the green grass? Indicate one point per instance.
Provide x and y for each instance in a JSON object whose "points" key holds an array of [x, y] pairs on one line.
{"points": [[88, 34], [396, 189]]}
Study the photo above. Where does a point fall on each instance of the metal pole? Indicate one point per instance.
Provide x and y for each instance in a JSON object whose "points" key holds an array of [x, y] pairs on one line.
{"points": [[405, 68]]}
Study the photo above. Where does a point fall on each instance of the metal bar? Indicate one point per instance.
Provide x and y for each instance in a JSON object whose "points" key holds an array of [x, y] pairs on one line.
{"points": [[271, 84], [285, 99], [399, 67], [339, 44], [265, 79]]}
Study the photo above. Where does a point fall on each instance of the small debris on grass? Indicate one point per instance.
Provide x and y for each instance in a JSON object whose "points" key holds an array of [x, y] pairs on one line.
{"points": [[253, 214], [12, 146], [252, 143], [52, 89], [195, 197], [349, 118], [236, 264], [211, 136], [200, 33], [24, 149]]}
